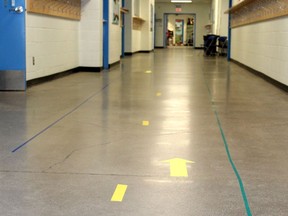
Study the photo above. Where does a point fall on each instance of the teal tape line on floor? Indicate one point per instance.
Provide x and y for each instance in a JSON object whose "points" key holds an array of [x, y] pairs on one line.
{"points": [[244, 196], [240, 182]]}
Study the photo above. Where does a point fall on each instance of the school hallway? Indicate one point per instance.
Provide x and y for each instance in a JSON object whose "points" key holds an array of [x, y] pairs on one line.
{"points": [[171, 132]]}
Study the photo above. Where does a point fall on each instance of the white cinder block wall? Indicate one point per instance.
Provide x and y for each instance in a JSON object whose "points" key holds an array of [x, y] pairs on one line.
{"points": [[136, 34], [58, 44], [128, 27], [264, 47], [52, 43], [139, 40], [115, 41], [223, 18], [91, 34], [147, 36], [202, 11], [220, 19]]}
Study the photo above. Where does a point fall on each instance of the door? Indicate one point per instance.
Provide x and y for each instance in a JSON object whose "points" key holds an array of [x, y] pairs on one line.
{"points": [[179, 25], [190, 31], [105, 34], [12, 45], [165, 31]]}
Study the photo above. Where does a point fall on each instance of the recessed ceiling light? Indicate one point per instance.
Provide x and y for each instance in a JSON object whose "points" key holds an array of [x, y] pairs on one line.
{"points": [[181, 1]]}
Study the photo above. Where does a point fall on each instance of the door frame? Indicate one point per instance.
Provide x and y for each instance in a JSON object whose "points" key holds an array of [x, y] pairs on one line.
{"points": [[165, 27], [123, 31], [106, 34], [229, 33]]}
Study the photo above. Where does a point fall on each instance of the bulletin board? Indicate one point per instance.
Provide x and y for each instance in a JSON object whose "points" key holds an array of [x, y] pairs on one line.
{"points": [[70, 9]]}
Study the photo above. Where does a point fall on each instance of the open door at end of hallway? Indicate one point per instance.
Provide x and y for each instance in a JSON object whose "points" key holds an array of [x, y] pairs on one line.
{"points": [[179, 24], [12, 45]]}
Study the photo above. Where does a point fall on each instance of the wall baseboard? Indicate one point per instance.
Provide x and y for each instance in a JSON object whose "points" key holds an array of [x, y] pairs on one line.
{"points": [[140, 51], [262, 75], [145, 51], [114, 64], [51, 77], [128, 53], [41, 80], [89, 69]]}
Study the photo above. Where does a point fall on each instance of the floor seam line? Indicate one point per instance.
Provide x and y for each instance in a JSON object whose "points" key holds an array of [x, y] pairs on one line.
{"points": [[59, 119], [91, 174]]}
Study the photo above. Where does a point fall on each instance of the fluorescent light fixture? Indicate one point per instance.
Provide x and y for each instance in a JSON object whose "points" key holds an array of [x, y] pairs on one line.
{"points": [[181, 1]]}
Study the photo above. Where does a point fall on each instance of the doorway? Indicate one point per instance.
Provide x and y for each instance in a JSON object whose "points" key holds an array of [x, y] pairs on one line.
{"points": [[179, 29], [13, 46]]}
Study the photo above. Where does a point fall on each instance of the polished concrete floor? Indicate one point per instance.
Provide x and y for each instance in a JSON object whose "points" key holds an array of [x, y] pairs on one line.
{"points": [[169, 133]]}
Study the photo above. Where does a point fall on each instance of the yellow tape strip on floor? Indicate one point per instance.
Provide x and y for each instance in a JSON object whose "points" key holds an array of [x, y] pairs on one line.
{"points": [[119, 193], [145, 123]]}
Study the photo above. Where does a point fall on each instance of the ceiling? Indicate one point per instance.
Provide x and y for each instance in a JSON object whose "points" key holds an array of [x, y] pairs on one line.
{"points": [[194, 1]]}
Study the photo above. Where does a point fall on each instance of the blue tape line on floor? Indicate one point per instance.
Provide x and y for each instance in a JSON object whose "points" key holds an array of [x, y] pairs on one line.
{"points": [[58, 120]]}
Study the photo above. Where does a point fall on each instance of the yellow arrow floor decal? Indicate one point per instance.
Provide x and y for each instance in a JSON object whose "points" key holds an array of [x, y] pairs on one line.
{"points": [[119, 193], [178, 167]]}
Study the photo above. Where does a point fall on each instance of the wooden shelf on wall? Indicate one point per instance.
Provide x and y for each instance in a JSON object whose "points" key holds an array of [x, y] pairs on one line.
{"points": [[238, 6], [124, 10], [253, 11], [137, 23], [60, 8], [138, 19]]}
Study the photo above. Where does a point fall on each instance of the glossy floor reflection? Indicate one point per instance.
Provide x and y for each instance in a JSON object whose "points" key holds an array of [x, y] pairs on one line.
{"points": [[67, 144]]}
